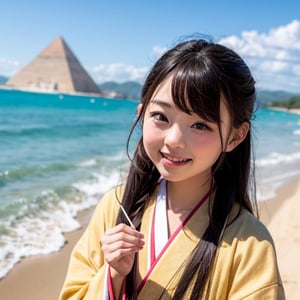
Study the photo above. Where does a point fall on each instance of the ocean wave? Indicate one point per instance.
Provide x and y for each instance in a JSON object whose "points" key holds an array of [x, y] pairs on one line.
{"points": [[114, 160], [296, 132], [274, 171], [4, 174], [275, 158], [54, 130], [88, 163], [42, 234], [268, 185], [32, 227], [98, 184], [33, 170]]}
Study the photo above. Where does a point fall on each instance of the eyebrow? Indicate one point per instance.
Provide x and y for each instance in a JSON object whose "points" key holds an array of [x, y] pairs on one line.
{"points": [[161, 102]]}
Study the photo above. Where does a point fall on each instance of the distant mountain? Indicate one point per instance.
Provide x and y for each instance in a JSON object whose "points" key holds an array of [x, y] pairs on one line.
{"points": [[293, 102], [266, 97], [132, 90], [3, 79], [126, 90]]}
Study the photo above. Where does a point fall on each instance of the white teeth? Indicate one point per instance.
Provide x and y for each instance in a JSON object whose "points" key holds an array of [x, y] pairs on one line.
{"points": [[174, 159]]}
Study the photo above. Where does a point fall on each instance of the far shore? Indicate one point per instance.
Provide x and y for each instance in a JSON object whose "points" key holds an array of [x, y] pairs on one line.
{"points": [[288, 110]]}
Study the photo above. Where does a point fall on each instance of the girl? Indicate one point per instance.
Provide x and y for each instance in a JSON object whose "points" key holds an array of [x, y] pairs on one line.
{"points": [[194, 235]]}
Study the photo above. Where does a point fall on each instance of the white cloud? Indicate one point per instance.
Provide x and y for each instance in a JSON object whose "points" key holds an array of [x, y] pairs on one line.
{"points": [[273, 57], [158, 51], [8, 67], [119, 72]]}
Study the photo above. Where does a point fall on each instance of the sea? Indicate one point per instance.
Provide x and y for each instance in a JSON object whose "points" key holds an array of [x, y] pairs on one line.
{"points": [[59, 153]]}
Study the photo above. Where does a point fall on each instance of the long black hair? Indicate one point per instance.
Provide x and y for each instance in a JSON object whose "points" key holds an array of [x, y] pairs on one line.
{"points": [[201, 71]]}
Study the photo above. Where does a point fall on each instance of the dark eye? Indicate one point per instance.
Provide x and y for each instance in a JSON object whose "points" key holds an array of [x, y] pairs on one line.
{"points": [[158, 116], [201, 126]]}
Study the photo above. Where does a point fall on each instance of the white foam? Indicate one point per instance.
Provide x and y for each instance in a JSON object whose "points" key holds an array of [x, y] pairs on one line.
{"points": [[34, 235], [4, 173], [98, 185], [270, 179], [43, 233], [263, 194], [296, 132], [88, 163], [275, 158], [121, 156]]}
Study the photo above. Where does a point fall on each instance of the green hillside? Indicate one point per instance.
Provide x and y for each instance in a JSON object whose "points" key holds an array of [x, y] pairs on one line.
{"points": [[293, 102], [129, 89], [266, 98], [132, 90]]}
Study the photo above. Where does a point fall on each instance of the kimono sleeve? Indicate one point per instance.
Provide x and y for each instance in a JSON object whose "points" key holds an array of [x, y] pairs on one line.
{"points": [[87, 272], [255, 273]]}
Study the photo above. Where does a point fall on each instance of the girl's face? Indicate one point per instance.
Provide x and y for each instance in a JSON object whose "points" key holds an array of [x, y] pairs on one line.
{"points": [[182, 146]]}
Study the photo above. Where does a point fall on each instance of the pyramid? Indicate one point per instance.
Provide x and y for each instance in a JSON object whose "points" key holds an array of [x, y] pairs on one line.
{"points": [[56, 68]]}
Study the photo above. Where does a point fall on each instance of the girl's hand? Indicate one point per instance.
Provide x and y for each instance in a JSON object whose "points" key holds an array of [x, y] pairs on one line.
{"points": [[119, 245]]}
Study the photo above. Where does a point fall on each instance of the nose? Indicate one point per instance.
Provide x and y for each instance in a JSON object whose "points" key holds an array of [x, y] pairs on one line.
{"points": [[175, 137]]}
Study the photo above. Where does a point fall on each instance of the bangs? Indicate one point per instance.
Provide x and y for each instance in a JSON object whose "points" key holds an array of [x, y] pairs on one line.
{"points": [[196, 89]]}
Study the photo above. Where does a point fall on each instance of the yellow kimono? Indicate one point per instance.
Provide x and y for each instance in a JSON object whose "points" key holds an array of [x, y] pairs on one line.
{"points": [[245, 266]]}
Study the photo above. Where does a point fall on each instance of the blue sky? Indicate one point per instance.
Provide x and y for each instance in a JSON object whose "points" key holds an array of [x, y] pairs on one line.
{"points": [[120, 40]]}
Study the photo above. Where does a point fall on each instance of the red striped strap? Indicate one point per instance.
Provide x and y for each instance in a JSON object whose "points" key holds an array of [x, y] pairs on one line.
{"points": [[171, 239]]}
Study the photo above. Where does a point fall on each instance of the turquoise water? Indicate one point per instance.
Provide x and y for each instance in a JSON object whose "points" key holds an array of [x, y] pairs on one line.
{"points": [[59, 153]]}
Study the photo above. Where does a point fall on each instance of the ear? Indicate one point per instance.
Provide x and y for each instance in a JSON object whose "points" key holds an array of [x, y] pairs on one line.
{"points": [[237, 136], [139, 109]]}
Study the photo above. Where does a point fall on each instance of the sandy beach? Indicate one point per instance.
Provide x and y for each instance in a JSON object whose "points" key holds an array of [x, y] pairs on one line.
{"points": [[41, 277], [281, 217]]}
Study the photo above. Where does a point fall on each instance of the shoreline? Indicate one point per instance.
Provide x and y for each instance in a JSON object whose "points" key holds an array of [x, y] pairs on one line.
{"points": [[295, 111], [41, 277], [280, 215]]}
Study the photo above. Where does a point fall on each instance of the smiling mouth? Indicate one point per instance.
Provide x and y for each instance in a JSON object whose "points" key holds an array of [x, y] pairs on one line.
{"points": [[174, 159]]}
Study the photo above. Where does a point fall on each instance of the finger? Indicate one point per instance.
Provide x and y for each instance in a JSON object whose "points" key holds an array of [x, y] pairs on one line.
{"points": [[122, 245], [111, 244], [124, 228], [118, 254], [125, 236], [122, 233]]}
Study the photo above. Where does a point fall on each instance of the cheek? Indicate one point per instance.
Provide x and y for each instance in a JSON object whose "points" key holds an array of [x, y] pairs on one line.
{"points": [[209, 144], [150, 136]]}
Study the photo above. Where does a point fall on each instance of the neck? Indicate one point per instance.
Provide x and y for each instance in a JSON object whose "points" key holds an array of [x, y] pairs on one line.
{"points": [[183, 197]]}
